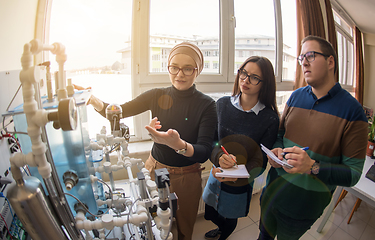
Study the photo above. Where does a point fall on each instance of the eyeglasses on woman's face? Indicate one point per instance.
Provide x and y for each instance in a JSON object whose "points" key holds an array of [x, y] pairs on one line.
{"points": [[188, 71], [253, 79], [310, 56]]}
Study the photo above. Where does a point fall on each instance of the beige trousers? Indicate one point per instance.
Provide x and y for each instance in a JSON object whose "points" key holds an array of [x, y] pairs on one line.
{"points": [[186, 183]]}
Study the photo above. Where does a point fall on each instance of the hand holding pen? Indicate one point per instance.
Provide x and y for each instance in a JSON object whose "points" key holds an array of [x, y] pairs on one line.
{"points": [[299, 158], [227, 161], [285, 153]]}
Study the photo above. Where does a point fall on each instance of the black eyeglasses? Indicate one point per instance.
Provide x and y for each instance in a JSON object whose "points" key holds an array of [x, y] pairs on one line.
{"points": [[253, 79], [310, 56], [188, 71]]}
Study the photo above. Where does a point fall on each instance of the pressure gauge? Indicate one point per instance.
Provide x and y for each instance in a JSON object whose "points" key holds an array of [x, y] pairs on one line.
{"points": [[114, 114]]}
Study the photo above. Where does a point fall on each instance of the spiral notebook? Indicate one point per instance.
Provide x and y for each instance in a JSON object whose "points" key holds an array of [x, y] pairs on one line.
{"points": [[274, 157], [240, 172]]}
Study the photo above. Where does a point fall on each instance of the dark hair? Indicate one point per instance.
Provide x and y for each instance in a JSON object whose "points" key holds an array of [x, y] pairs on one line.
{"points": [[325, 46], [267, 93]]}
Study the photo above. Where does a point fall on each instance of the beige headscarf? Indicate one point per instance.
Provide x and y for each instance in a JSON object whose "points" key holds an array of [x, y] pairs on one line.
{"points": [[191, 50]]}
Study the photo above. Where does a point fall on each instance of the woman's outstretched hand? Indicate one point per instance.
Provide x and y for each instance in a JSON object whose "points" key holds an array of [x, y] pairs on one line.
{"points": [[94, 101], [171, 138], [77, 87]]}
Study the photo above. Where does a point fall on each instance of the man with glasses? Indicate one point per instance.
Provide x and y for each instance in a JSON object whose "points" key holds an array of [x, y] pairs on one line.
{"points": [[328, 120]]}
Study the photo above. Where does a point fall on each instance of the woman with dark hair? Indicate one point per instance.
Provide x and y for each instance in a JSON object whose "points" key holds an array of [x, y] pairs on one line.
{"points": [[246, 119]]}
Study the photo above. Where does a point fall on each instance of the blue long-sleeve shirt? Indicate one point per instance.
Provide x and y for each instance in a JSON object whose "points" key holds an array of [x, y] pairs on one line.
{"points": [[334, 128]]}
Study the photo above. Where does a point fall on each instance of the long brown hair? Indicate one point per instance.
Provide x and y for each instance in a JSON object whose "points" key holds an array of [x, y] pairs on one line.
{"points": [[267, 93]]}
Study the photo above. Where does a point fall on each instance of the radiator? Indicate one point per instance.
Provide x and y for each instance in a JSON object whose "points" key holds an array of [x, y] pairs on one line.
{"points": [[259, 183]]}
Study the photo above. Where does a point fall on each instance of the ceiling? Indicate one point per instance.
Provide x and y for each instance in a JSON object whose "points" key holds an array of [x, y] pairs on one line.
{"points": [[362, 13]]}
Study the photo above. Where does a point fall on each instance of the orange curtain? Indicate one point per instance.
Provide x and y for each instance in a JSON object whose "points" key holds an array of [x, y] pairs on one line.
{"points": [[359, 68], [299, 81], [332, 35], [309, 22]]}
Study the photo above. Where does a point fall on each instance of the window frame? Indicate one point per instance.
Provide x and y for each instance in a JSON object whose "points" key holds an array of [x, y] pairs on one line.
{"points": [[142, 80], [347, 41]]}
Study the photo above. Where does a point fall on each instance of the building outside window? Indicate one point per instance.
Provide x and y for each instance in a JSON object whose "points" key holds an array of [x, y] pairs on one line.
{"points": [[161, 35], [215, 65]]}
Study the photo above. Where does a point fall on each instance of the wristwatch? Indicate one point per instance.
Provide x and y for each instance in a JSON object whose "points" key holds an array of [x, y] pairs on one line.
{"points": [[183, 150], [315, 168]]}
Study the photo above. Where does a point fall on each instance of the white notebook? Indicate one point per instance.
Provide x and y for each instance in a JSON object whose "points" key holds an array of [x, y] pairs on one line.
{"points": [[233, 172], [274, 157]]}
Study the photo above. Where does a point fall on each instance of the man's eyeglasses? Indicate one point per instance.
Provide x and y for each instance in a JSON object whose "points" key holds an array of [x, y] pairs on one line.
{"points": [[310, 56], [253, 79], [188, 71]]}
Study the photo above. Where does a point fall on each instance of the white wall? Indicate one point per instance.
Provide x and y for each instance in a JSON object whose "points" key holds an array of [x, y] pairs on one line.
{"points": [[369, 62], [17, 18]]}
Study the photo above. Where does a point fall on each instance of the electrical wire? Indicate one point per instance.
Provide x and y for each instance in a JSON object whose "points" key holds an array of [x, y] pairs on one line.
{"points": [[15, 139], [108, 233], [109, 188], [83, 205], [20, 226], [6, 225], [14, 96], [25, 171], [10, 207], [11, 101], [111, 196], [28, 173], [24, 133], [4, 127], [114, 147], [28, 169], [14, 222], [10, 135]]}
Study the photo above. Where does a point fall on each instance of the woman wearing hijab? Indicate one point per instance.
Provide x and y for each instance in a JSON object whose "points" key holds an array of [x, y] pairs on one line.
{"points": [[183, 128]]}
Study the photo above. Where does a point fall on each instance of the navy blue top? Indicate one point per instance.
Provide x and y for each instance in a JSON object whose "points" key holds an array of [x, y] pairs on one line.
{"points": [[241, 133]]}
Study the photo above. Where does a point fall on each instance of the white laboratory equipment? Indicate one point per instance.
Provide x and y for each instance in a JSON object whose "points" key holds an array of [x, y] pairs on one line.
{"points": [[65, 197]]}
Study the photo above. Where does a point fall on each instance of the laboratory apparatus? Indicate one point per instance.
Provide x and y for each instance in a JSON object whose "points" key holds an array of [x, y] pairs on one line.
{"points": [[62, 194]]}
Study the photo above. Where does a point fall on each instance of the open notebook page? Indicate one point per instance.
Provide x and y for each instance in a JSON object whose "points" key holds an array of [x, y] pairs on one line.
{"points": [[233, 172]]}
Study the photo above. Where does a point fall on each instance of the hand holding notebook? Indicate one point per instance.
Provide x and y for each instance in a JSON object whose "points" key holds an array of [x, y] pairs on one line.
{"points": [[274, 157], [234, 172]]}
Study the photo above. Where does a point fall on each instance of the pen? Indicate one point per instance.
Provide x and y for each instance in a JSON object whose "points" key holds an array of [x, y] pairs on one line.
{"points": [[225, 151], [304, 149]]}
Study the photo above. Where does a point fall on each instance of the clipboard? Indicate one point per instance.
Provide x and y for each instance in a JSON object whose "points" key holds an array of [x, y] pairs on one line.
{"points": [[274, 157]]}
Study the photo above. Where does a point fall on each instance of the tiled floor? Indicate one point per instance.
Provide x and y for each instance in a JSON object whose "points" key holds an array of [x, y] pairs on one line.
{"points": [[361, 227]]}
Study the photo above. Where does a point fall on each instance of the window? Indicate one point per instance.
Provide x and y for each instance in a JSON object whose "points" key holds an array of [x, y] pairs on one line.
{"points": [[176, 23], [256, 37], [289, 33], [345, 52], [230, 32], [96, 37]]}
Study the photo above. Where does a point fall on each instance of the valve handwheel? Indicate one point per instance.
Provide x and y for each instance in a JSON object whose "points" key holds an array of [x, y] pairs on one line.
{"points": [[68, 114]]}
